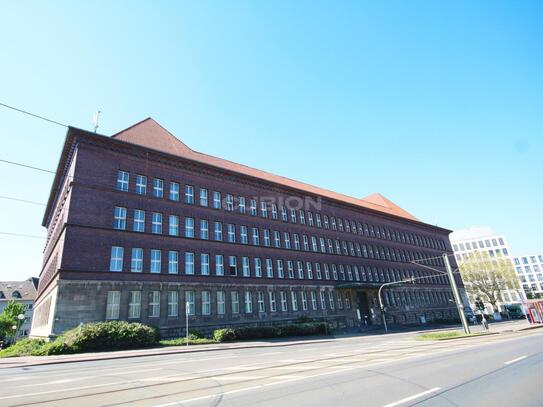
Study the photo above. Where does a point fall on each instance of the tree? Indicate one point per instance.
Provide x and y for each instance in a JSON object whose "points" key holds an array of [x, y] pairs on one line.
{"points": [[488, 277], [9, 318]]}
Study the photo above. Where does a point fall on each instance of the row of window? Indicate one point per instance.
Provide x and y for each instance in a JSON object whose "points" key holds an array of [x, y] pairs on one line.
{"points": [[268, 209], [533, 259], [258, 267], [244, 234], [478, 244], [266, 301]]}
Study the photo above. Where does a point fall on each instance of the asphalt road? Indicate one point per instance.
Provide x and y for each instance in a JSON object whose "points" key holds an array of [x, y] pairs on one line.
{"points": [[392, 370]]}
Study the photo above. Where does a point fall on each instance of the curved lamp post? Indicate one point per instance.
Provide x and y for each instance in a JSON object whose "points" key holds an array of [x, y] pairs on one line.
{"points": [[381, 305]]}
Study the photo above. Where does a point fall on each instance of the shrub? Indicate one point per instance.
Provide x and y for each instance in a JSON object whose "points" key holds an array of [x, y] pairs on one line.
{"points": [[261, 332], [224, 334], [196, 335], [23, 347]]}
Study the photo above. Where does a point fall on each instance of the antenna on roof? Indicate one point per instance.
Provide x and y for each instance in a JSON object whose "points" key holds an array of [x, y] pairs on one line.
{"points": [[95, 120]]}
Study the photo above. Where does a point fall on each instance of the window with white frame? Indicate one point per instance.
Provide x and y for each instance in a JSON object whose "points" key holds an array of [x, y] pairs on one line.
{"points": [[231, 232], [155, 261], [263, 209], [234, 301], [154, 304], [286, 238], [189, 303], [293, 215], [283, 296], [294, 300], [304, 300], [331, 299], [314, 245], [290, 269], [229, 202], [273, 303], [221, 303], [269, 268], [173, 303], [173, 224], [243, 234], [267, 238], [233, 265], [116, 260], [309, 270], [306, 242], [204, 264], [241, 204], [189, 194], [189, 227], [136, 262], [246, 270], [123, 178], [318, 219], [113, 304], [139, 220], [174, 191], [173, 262], [277, 239], [217, 204], [189, 263], [300, 267], [156, 226], [218, 231], [206, 303], [248, 302], [310, 219], [326, 271], [296, 242], [284, 214], [280, 269], [302, 217], [322, 244], [274, 211], [204, 197], [313, 300], [253, 207], [134, 304], [119, 218], [261, 305], [158, 188], [141, 184], [204, 229], [256, 238], [219, 265], [258, 267]]}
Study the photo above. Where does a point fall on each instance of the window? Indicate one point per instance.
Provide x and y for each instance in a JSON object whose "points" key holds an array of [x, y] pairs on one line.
{"points": [[309, 270], [274, 211], [326, 224], [154, 304], [314, 245], [296, 241], [134, 304], [229, 202], [241, 204], [156, 226], [189, 194], [258, 267], [219, 265], [269, 268], [302, 217], [218, 231], [326, 271], [283, 296], [155, 261], [173, 303], [116, 261], [204, 229], [204, 197], [189, 303], [280, 269], [273, 304], [221, 303], [293, 215], [319, 221], [304, 300], [261, 305], [246, 270], [217, 200], [174, 191], [243, 234], [158, 188], [323, 300], [313, 300], [284, 215], [173, 225], [310, 219], [231, 232], [189, 263], [277, 239], [173, 262], [234, 299], [300, 267], [122, 181], [263, 209], [318, 271], [233, 265], [290, 268], [189, 227], [294, 300], [204, 264], [113, 304], [141, 184], [139, 220], [206, 303], [248, 302], [267, 238], [119, 218], [136, 263], [253, 207], [256, 240], [286, 236], [331, 299]]}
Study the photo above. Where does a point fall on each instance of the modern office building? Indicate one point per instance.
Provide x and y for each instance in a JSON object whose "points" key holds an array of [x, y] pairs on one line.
{"points": [[483, 239], [23, 292], [530, 273], [143, 228]]}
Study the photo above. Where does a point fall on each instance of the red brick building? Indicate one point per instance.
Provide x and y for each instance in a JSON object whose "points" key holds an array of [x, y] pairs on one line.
{"points": [[140, 227]]}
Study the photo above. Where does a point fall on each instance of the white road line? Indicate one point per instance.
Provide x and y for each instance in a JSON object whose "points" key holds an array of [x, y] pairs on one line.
{"points": [[413, 397], [515, 360]]}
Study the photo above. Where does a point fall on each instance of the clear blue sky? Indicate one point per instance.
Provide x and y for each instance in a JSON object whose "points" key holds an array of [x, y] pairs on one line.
{"points": [[437, 105]]}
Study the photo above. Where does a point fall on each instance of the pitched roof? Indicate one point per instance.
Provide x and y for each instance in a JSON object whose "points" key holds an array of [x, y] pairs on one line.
{"points": [[148, 133], [26, 289]]}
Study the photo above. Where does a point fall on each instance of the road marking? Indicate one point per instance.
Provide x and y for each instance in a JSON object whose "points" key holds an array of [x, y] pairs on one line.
{"points": [[515, 360], [413, 397]]}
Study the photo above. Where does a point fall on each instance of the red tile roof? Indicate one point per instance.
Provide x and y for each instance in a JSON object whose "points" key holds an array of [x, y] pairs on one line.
{"points": [[148, 133]]}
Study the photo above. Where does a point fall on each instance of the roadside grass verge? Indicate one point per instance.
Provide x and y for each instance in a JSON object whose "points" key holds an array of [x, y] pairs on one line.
{"points": [[183, 341], [440, 336]]}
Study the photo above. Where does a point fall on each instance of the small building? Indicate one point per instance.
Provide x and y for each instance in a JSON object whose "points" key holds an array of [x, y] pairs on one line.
{"points": [[529, 271], [24, 292]]}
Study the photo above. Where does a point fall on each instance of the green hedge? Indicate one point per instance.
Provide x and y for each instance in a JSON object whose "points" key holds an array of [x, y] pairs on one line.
{"points": [[303, 329]]}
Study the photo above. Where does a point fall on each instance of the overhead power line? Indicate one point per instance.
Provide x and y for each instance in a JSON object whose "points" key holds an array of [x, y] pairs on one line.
{"points": [[27, 166], [22, 200], [32, 114], [21, 235]]}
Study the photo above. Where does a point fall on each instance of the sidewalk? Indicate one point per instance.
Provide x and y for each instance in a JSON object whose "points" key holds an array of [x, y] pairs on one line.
{"points": [[26, 361]]}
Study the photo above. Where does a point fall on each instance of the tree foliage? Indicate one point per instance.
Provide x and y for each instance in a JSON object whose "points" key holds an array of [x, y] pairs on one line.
{"points": [[8, 318], [488, 277]]}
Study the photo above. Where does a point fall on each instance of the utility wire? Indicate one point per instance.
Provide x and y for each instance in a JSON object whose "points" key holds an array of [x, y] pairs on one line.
{"points": [[26, 166], [21, 235], [32, 114], [22, 200]]}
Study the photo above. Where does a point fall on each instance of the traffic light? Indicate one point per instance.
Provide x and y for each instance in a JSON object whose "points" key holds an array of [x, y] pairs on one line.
{"points": [[479, 304]]}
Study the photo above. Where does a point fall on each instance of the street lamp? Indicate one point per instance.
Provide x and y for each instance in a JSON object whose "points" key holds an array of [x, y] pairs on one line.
{"points": [[381, 305]]}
